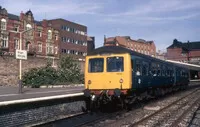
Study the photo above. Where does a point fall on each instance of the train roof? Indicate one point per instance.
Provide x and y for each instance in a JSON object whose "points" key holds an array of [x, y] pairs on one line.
{"points": [[109, 49], [119, 50]]}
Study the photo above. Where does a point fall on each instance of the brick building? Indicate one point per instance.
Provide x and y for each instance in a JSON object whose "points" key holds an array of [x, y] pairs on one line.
{"points": [[140, 45], [42, 40], [184, 52], [73, 37], [46, 38], [91, 44]]}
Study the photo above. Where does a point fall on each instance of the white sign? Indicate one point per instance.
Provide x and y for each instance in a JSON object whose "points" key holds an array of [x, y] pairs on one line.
{"points": [[21, 54]]}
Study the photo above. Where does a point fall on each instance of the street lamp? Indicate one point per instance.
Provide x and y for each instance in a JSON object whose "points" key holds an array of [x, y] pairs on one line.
{"points": [[20, 61]]}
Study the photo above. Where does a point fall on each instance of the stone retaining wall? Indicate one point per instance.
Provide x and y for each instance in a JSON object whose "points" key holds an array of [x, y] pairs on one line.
{"points": [[39, 112], [9, 68]]}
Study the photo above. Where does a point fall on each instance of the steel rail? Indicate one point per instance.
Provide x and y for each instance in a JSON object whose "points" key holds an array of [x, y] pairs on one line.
{"points": [[180, 118], [162, 109]]}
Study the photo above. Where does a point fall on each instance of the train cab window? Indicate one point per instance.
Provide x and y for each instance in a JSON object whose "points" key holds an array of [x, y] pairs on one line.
{"points": [[115, 64], [95, 65]]}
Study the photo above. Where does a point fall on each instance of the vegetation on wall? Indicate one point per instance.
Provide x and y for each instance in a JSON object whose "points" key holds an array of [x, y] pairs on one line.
{"points": [[67, 72]]}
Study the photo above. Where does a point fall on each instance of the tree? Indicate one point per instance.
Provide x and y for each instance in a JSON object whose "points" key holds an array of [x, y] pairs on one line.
{"points": [[69, 70]]}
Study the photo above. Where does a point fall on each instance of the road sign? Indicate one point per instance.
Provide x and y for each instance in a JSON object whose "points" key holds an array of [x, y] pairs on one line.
{"points": [[21, 54]]}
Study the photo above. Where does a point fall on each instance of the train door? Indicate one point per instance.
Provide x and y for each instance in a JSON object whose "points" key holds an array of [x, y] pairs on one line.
{"points": [[145, 81], [138, 74]]}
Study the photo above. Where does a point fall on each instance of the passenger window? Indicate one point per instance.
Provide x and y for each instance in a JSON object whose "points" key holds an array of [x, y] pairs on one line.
{"points": [[153, 71], [158, 73], [145, 69], [163, 70]]}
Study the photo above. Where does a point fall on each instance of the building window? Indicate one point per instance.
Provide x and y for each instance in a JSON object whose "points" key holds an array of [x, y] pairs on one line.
{"points": [[49, 34], [16, 44], [3, 24], [85, 43], [4, 43], [73, 41], [49, 48], [68, 40], [72, 52], [56, 37], [39, 47], [16, 28], [64, 39], [84, 54], [39, 34], [27, 46]]}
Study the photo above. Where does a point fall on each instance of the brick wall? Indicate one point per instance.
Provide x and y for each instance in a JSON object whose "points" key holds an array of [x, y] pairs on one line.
{"points": [[9, 68], [176, 54]]}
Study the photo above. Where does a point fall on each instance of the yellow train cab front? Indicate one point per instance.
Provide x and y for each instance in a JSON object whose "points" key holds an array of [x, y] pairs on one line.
{"points": [[109, 71]]}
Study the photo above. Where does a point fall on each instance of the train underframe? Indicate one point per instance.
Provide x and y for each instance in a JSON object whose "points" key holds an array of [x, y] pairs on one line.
{"points": [[123, 99]]}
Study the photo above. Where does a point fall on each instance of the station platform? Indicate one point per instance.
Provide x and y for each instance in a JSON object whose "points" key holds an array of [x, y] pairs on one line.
{"points": [[10, 94]]}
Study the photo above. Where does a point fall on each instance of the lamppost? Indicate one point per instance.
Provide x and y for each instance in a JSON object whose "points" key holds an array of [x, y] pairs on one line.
{"points": [[20, 61]]}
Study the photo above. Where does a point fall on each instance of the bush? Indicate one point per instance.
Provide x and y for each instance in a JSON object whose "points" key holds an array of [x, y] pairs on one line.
{"points": [[67, 72], [40, 76]]}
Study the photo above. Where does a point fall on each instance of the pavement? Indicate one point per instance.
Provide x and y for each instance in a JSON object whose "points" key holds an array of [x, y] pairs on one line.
{"points": [[11, 93]]}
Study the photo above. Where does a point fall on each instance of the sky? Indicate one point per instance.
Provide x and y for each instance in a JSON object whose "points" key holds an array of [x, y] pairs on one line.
{"points": [[158, 20]]}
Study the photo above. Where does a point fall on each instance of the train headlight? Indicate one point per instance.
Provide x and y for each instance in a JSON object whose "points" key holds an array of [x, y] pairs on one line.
{"points": [[121, 81], [89, 81], [93, 97]]}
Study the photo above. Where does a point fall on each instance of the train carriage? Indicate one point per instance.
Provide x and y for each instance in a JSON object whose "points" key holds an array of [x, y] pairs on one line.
{"points": [[116, 74]]}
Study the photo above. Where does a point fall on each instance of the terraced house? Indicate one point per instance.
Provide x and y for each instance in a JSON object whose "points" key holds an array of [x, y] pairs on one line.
{"points": [[42, 38]]}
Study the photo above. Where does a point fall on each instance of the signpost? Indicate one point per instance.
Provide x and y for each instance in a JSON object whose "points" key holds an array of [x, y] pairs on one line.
{"points": [[21, 54]]}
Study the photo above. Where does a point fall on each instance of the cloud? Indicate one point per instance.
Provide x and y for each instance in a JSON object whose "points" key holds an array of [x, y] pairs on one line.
{"points": [[53, 9], [159, 6], [156, 11]]}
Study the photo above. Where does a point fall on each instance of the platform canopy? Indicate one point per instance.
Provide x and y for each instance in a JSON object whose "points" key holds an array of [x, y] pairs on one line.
{"points": [[186, 65]]}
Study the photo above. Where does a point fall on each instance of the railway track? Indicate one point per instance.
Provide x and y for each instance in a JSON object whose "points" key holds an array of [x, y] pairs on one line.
{"points": [[183, 103], [173, 114], [164, 116]]}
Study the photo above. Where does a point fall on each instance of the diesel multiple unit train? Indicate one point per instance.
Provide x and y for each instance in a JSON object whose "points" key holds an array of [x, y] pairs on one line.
{"points": [[120, 76]]}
